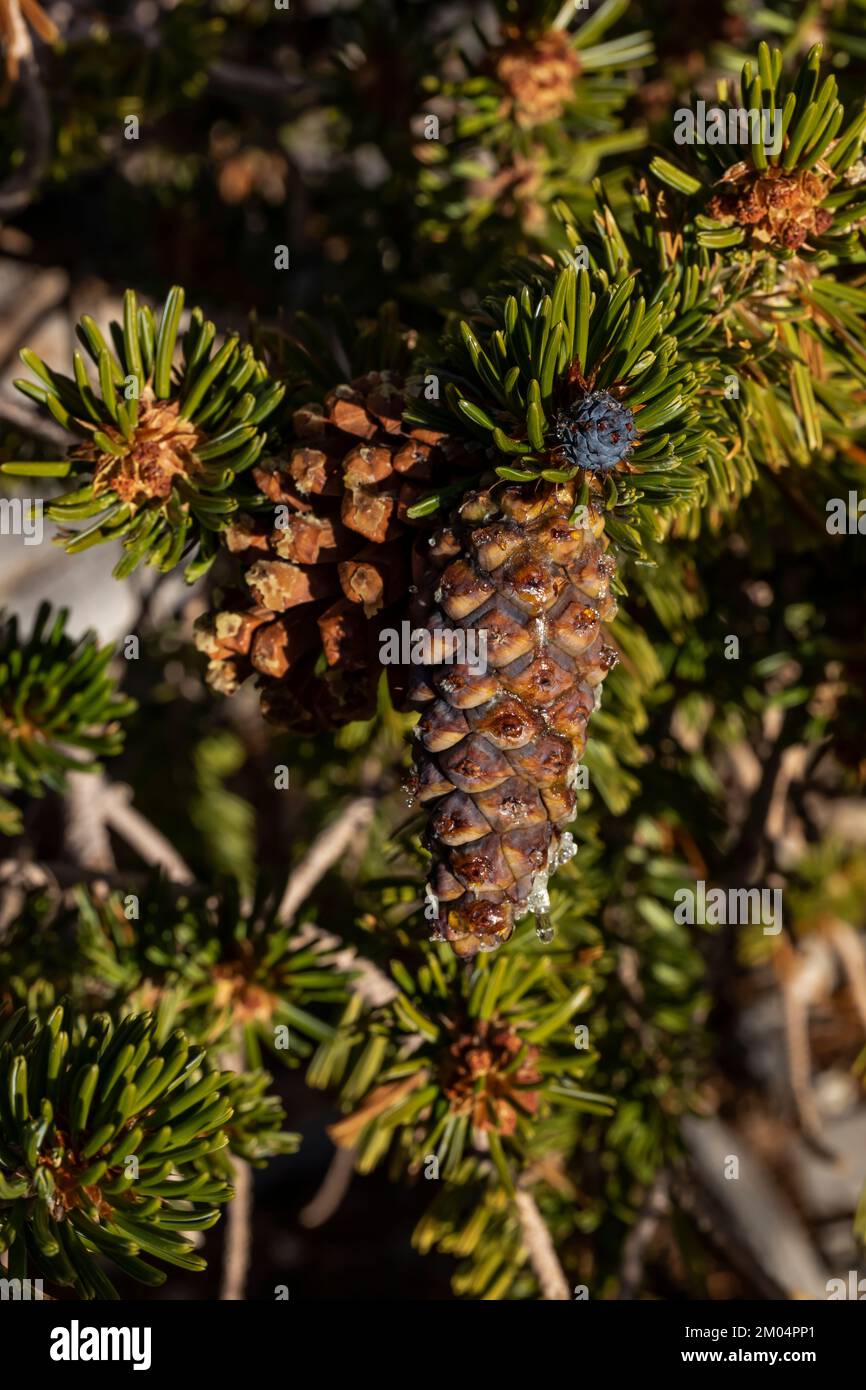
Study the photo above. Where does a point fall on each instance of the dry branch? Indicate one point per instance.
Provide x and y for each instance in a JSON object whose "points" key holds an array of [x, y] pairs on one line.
{"points": [[541, 1251]]}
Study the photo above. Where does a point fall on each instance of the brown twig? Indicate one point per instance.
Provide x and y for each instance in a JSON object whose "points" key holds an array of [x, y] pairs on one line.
{"points": [[752, 1210], [628, 974], [746, 861], [41, 292], [16, 42]]}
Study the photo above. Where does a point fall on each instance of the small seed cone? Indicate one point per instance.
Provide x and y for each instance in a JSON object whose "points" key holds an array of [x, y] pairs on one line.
{"points": [[335, 569], [162, 448], [481, 1080], [498, 749], [538, 75], [778, 208]]}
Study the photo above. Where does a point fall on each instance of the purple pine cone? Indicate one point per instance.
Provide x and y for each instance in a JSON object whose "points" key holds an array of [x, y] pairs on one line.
{"points": [[597, 432]]}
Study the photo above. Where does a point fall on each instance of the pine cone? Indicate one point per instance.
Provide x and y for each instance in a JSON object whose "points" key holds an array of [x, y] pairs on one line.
{"points": [[538, 75], [498, 749], [782, 210], [336, 568], [490, 1074]]}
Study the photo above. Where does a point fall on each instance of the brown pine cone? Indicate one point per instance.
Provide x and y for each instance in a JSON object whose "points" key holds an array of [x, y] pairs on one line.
{"points": [[538, 75], [490, 1074], [779, 208], [335, 568], [498, 749]]}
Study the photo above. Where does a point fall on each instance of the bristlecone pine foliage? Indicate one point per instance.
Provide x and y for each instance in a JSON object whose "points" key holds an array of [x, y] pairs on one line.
{"points": [[461, 1063], [222, 968], [59, 710], [326, 559], [105, 1131], [161, 444], [526, 120], [801, 194], [577, 397]]}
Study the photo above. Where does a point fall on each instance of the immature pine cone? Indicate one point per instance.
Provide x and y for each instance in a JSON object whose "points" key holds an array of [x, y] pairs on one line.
{"points": [[480, 1078], [539, 75], [780, 209], [498, 750]]}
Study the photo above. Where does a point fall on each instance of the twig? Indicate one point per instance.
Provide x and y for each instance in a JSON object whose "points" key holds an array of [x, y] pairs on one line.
{"points": [[249, 84], [18, 190], [809, 514], [143, 836], [17, 43], [747, 859], [236, 1256], [851, 952], [41, 292], [652, 1213], [326, 849], [30, 874], [20, 876], [373, 985], [108, 805], [335, 1185], [753, 1209], [715, 1224], [809, 979], [86, 832], [539, 1246], [23, 419], [239, 1216]]}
